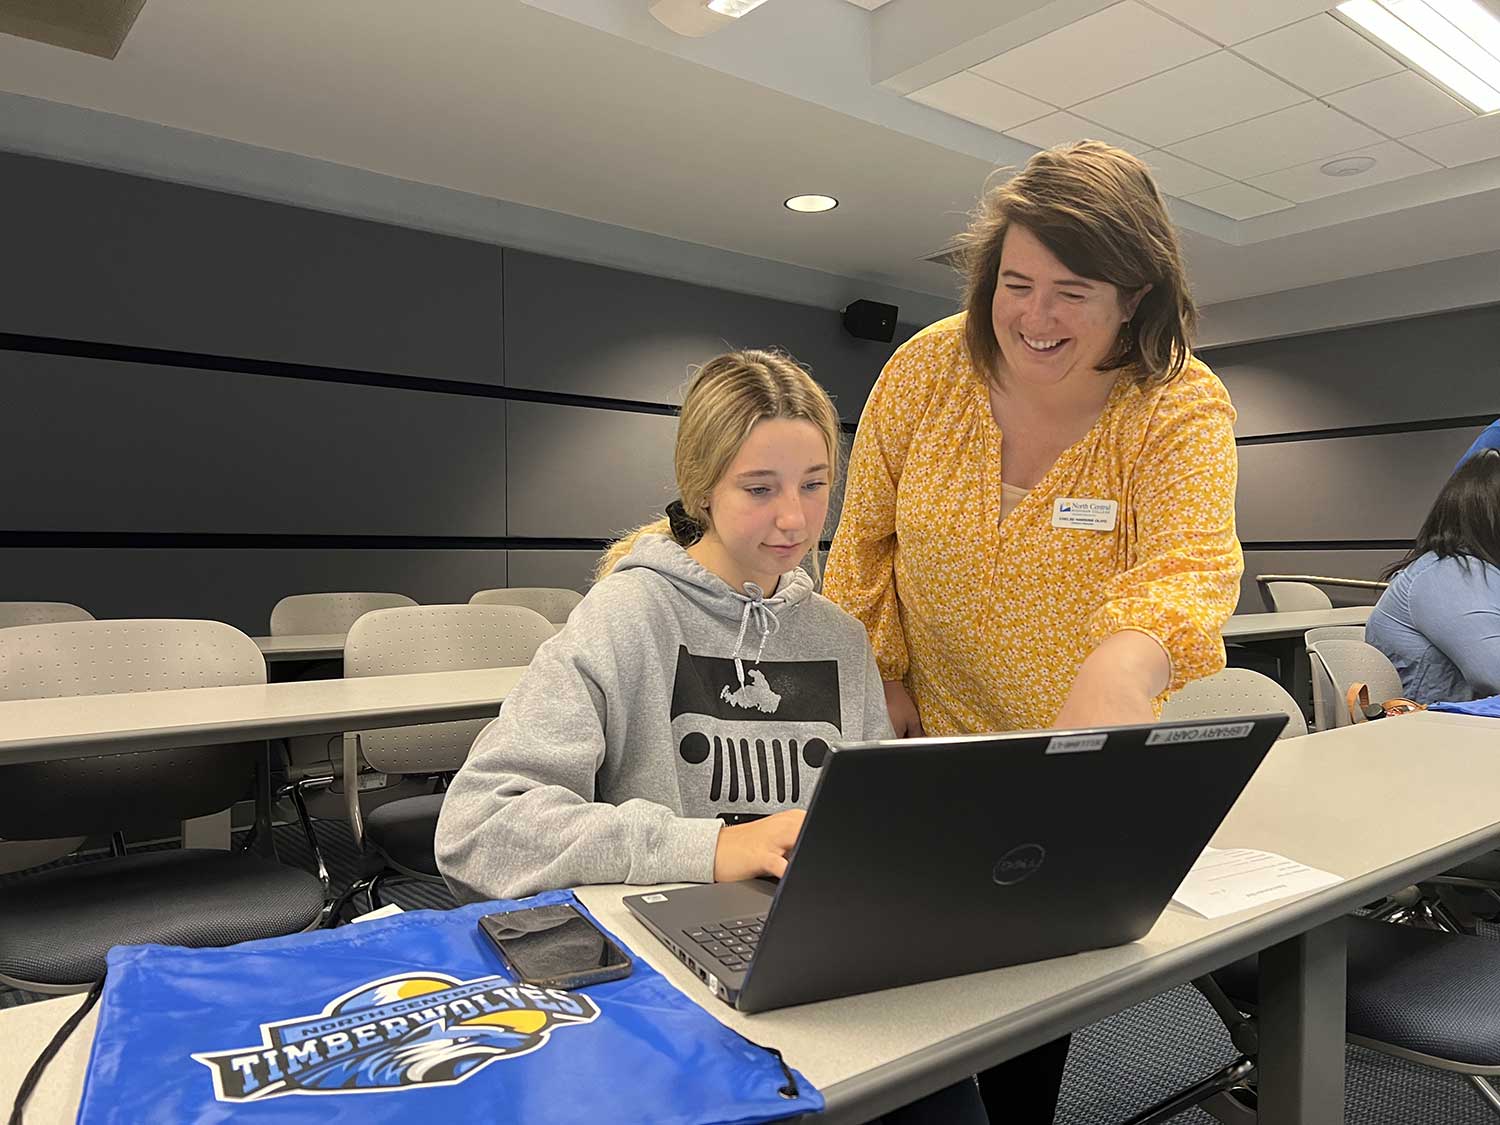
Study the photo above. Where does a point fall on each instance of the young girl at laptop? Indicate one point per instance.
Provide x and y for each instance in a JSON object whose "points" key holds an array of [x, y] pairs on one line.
{"points": [[699, 681]]}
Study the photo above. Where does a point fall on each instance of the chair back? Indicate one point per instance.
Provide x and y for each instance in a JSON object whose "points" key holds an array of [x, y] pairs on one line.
{"points": [[299, 614], [437, 638], [1349, 662], [553, 604], [1233, 692], [1325, 703], [40, 613], [82, 796], [1288, 597]]}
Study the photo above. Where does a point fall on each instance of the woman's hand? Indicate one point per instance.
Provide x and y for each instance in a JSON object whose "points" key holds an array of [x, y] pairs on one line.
{"points": [[903, 712], [1117, 684], [748, 851]]}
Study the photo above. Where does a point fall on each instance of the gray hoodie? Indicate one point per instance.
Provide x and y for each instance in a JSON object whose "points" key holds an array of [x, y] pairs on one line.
{"points": [[667, 699]]}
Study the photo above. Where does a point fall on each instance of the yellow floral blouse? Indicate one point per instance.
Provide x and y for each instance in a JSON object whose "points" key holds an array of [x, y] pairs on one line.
{"points": [[988, 621]]}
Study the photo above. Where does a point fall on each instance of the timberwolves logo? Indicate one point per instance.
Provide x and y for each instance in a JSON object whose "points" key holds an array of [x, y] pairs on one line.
{"points": [[756, 744], [396, 1034]]}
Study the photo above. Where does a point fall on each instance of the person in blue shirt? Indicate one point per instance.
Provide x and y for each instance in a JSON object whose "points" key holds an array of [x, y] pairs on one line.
{"points": [[1489, 438], [1439, 621]]}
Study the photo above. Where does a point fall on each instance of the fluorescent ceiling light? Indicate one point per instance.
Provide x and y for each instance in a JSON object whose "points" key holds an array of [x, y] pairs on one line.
{"points": [[734, 8], [810, 204], [1473, 20], [1422, 33]]}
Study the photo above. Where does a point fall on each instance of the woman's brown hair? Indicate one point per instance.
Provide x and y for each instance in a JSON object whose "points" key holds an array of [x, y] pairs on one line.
{"points": [[724, 400], [1098, 210]]}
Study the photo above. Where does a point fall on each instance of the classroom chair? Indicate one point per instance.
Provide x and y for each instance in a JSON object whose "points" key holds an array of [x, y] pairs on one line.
{"points": [[310, 758], [1349, 662], [18, 855], [1324, 712], [1288, 597], [429, 638], [553, 604], [40, 613], [299, 614], [57, 925], [1419, 994]]}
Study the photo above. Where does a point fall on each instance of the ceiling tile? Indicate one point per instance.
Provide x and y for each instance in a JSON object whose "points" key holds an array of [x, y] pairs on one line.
{"points": [[1199, 97], [1401, 104], [1277, 140], [1102, 52], [1239, 201], [1321, 55], [1393, 161], [1464, 143], [1060, 128], [981, 101], [1178, 177], [1234, 21]]}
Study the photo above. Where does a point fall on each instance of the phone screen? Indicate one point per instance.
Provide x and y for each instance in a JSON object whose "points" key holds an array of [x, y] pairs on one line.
{"points": [[555, 946]]}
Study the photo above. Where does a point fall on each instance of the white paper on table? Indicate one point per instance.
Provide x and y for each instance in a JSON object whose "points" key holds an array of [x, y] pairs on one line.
{"points": [[1228, 879]]}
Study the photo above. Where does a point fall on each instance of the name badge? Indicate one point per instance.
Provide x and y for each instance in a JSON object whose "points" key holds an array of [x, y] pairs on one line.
{"points": [[1085, 515]]}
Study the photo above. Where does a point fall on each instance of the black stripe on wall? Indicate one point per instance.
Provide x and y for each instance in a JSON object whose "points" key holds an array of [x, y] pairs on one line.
{"points": [[1367, 431], [1330, 545], [236, 541], [164, 357]]}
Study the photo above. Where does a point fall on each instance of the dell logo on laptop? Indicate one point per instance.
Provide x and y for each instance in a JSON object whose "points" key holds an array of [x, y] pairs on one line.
{"points": [[1021, 862]]}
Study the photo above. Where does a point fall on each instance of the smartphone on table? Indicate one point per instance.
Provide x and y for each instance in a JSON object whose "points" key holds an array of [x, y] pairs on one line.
{"points": [[555, 947]]}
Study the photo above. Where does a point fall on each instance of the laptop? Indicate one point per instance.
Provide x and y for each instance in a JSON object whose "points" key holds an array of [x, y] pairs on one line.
{"points": [[934, 857]]}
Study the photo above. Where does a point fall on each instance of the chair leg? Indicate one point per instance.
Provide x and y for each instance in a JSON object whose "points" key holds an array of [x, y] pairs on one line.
{"points": [[1237, 1073], [1486, 1090], [294, 791]]}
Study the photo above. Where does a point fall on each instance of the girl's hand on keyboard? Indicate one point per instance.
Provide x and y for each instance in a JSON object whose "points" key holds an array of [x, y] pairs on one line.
{"points": [[748, 851]]}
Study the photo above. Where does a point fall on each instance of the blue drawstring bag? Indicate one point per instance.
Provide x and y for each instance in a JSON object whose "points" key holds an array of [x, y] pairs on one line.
{"points": [[1489, 707], [412, 1018]]}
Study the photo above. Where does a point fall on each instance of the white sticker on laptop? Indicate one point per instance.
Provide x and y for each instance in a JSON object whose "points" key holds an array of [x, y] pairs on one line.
{"points": [[1076, 743], [1085, 515], [653, 898], [1215, 732]]}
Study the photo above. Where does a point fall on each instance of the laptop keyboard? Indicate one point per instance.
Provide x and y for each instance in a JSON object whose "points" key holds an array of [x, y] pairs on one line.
{"points": [[731, 943]]}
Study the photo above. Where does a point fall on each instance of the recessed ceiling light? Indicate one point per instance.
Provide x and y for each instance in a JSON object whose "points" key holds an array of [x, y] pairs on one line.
{"points": [[810, 204], [1348, 166], [734, 8], [1451, 41]]}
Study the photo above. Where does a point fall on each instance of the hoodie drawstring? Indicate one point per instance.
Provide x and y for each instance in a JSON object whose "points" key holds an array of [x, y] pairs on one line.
{"points": [[768, 622]]}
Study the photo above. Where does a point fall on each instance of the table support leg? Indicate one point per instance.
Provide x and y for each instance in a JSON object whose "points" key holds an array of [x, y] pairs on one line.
{"points": [[1301, 1018], [265, 842]]}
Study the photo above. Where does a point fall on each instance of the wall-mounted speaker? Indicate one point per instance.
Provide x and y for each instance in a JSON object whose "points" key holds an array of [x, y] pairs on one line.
{"points": [[870, 320]]}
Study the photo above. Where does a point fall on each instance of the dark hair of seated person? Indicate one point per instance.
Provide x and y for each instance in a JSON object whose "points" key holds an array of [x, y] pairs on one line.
{"points": [[1465, 519]]}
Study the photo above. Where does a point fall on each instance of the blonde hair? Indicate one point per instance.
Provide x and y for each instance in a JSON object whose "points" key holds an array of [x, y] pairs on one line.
{"points": [[1098, 210], [726, 397]]}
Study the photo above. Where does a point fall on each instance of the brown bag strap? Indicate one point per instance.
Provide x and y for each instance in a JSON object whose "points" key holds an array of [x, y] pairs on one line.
{"points": [[1357, 699]]}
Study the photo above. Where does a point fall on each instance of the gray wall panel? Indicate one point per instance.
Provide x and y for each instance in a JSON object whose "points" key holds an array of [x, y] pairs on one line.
{"points": [[237, 586], [1334, 564], [111, 446], [1377, 487], [582, 473], [1440, 366], [127, 260], [566, 570], [586, 329]]}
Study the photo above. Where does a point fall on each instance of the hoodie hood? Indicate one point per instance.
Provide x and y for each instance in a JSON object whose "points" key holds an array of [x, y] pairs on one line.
{"points": [[757, 612]]}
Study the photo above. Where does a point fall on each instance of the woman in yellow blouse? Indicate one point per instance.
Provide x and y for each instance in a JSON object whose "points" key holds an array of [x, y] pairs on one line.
{"points": [[1038, 527]]}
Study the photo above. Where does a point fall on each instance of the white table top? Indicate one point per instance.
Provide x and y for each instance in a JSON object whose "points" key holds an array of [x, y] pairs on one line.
{"points": [[302, 646], [1268, 626], [86, 725], [1380, 804]]}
